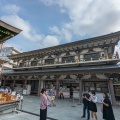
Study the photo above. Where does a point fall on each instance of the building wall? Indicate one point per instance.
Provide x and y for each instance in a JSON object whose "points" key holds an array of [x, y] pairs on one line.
{"points": [[64, 54], [117, 49], [5, 51]]}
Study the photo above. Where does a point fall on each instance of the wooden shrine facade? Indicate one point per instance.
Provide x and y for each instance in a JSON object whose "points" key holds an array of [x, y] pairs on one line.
{"points": [[90, 60], [99, 50]]}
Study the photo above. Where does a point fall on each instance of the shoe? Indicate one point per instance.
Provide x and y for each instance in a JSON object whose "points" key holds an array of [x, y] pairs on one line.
{"points": [[83, 117], [49, 105], [54, 105]]}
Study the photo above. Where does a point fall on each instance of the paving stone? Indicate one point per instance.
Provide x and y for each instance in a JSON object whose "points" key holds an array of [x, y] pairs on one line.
{"points": [[62, 111]]}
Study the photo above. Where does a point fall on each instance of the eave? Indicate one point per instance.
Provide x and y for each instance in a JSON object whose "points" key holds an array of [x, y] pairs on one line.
{"points": [[75, 70], [7, 31], [104, 41]]}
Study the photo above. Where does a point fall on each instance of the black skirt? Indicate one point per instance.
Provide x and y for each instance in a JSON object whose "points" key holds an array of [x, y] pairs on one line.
{"points": [[92, 107]]}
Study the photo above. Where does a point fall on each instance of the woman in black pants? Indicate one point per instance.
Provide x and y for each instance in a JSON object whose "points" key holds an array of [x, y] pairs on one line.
{"points": [[43, 105]]}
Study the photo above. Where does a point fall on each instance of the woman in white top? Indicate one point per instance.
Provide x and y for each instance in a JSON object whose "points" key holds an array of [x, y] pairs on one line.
{"points": [[93, 107]]}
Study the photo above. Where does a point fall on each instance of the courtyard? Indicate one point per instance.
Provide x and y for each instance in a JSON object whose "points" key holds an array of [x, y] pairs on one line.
{"points": [[65, 110]]}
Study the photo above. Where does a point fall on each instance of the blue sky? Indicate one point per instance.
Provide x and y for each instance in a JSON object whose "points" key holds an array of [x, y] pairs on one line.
{"points": [[52, 22]]}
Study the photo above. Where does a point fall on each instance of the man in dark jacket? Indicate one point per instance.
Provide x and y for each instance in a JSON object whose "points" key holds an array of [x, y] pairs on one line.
{"points": [[86, 102]]}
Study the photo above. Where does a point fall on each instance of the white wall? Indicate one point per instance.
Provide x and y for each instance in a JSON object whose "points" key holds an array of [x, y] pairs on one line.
{"points": [[117, 49]]}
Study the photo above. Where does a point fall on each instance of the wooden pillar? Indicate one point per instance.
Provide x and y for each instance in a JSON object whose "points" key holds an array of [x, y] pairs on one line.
{"points": [[42, 85], [41, 61], [58, 58], [13, 83], [17, 64], [29, 63], [4, 83], [78, 56], [57, 88], [25, 82], [112, 92], [80, 91], [39, 87], [106, 52]]}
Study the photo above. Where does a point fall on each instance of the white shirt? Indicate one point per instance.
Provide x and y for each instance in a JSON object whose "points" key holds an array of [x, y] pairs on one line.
{"points": [[94, 99]]}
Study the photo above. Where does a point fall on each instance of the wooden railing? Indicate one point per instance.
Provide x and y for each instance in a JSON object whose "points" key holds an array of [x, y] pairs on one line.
{"points": [[75, 61]]}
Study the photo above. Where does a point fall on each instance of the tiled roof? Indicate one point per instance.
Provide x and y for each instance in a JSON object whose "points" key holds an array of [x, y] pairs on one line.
{"points": [[80, 69]]}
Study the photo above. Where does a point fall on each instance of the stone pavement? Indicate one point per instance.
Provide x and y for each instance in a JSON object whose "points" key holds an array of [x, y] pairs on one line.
{"points": [[64, 110]]}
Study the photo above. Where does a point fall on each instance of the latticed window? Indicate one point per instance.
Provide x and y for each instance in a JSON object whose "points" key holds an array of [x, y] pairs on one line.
{"points": [[68, 59], [34, 63], [49, 61], [96, 86], [21, 65], [94, 56]]}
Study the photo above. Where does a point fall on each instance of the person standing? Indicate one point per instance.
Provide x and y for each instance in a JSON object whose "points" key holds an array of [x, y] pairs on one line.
{"points": [[52, 95], [71, 91], [86, 103], [92, 106], [61, 93], [107, 108], [43, 105], [5, 91], [9, 90]]}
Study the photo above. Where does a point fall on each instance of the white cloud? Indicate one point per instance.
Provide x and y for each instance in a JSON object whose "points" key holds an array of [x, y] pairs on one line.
{"points": [[11, 9], [55, 29], [28, 32], [93, 17], [63, 33], [50, 41], [39, 40]]}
